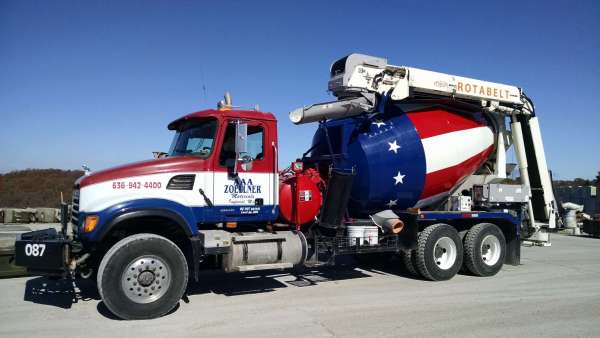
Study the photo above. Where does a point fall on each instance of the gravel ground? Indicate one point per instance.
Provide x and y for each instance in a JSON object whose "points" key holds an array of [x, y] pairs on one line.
{"points": [[555, 292]]}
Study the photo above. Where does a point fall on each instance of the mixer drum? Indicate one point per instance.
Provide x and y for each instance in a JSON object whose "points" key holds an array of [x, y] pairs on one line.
{"points": [[405, 160]]}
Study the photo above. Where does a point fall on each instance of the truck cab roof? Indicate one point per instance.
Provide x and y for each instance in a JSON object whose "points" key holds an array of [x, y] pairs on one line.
{"points": [[219, 114]]}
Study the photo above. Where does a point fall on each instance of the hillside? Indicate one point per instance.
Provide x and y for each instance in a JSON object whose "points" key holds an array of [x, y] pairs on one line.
{"points": [[36, 187]]}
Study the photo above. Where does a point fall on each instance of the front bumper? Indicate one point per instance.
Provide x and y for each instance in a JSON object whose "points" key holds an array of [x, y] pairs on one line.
{"points": [[43, 252], [46, 252]]}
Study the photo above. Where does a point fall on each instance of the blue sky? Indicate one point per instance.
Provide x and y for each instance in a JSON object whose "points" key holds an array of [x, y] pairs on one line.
{"points": [[96, 82]]}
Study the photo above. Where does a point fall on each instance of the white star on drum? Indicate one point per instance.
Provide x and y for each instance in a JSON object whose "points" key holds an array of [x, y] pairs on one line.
{"points": [[378, 123], [394, 146], [399, 178]]}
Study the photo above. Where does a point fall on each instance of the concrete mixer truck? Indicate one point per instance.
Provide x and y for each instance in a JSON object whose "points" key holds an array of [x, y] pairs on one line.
{"points": [[403, 162]]}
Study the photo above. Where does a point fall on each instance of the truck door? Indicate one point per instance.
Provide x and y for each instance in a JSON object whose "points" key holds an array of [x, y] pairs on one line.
{"points": [[244, 188]]}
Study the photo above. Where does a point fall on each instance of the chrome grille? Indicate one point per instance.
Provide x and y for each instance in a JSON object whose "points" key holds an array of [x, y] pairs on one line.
{"points": [[75, 208]]}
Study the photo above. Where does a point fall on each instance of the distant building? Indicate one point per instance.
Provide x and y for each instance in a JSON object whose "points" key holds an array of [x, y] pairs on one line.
{"points": [[598, 198], [586, 196]]}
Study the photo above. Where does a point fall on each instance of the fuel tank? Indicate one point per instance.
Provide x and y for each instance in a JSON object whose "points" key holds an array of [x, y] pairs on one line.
{"points": [[404, 160]]}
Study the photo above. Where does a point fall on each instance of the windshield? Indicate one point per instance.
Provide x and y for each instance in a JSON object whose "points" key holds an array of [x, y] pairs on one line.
{"points": [[194, 138]]}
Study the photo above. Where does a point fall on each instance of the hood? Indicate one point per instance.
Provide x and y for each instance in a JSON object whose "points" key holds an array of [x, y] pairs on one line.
{"points": [[157, 166]]}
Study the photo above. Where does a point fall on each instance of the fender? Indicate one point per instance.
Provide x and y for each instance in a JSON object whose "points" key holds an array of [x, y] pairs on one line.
{"points": [[110, 217], [171, 215], [177, 213]]}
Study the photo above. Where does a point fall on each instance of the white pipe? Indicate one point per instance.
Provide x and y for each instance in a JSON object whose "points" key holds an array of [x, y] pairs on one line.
{"points": [[517, 137], [332, 110], [538, 146], [572, 206], [388, 221], [500, 153]]}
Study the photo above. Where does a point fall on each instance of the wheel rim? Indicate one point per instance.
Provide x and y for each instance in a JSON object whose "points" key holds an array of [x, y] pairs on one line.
{"points": [[146, 279], [444, 253], [490, 250]]}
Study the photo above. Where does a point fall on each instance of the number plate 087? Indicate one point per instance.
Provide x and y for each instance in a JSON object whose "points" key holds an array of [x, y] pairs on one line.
{"points": [[35, 250]]}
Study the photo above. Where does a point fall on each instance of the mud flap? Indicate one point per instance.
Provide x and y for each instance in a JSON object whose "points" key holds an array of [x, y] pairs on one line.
{"points": [[407, 239]]}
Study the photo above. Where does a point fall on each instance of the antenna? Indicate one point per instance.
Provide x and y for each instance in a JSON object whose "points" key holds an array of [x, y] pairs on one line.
{"points": [[203, 84]]}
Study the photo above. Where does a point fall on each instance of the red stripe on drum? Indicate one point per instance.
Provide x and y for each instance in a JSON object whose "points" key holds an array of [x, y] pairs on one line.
{"points": [[443, 180], [436, 122]]}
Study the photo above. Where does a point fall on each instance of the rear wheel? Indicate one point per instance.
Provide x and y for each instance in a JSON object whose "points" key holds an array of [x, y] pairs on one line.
{"points": [[485, 248], [408, 258], [142, 276], [439, 252]]}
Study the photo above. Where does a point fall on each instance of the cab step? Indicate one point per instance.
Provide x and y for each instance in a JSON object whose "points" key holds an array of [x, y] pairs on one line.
{"points": [[256, 267]]}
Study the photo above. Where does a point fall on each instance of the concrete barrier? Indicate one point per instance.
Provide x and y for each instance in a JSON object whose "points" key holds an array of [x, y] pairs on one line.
{"points": [[29, 215], [8, 234]]}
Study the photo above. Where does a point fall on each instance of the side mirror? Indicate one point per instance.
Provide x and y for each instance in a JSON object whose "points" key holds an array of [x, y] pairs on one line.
{"points": [[241, 138], [241, 148], [246, 161], [245, 158]]}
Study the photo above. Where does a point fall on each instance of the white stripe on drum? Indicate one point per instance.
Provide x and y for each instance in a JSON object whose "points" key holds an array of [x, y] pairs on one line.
{"points": [[447, 150]]}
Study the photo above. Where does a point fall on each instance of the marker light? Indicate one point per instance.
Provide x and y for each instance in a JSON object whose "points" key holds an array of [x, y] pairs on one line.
{"points": [[297, 166], [90, 223]]}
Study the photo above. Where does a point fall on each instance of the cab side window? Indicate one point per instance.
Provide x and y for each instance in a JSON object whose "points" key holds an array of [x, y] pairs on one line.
{"points": [[255, 142], [255, 145], [228, 148]]}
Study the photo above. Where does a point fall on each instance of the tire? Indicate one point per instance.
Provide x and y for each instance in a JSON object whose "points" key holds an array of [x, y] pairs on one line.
{"points": [[439, 252], [462, 234], [151, 293], [408, 258], [485, 249]]}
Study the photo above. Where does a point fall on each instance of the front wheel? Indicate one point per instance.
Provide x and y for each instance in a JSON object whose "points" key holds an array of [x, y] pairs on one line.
{"points": [[142, 276]]}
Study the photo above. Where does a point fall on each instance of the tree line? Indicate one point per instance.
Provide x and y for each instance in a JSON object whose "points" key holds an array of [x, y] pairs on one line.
{"points": [[36, 187]]}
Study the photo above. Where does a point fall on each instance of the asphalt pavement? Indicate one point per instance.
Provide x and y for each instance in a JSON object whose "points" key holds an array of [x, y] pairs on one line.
{"points": [[554, 293]]}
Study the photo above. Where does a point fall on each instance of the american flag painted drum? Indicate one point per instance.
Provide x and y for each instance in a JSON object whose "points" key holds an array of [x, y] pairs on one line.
{"points": [[406, 160]]}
